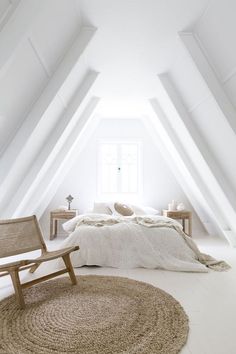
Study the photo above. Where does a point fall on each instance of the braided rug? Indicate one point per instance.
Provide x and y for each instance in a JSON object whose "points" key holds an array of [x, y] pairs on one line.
{"points": [[102, 315]]}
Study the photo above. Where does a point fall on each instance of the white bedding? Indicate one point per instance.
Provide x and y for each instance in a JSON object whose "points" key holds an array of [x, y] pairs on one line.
{"points": [[112, 241]]}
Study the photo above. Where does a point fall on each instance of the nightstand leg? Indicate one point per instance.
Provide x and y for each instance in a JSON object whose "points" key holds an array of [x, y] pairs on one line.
{"points": [[55, 230], [190, 226], [51, 228], [183, 223]]}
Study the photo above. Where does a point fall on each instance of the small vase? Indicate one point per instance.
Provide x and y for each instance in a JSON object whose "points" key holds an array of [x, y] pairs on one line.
{"points": [[173, 205], [180, 206]]}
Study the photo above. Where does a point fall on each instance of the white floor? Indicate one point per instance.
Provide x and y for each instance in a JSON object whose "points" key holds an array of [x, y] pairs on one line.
{"points": [[208, 299]]}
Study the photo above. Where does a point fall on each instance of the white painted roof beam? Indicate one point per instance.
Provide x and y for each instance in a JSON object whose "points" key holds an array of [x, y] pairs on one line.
{"points": [[196, 164], [64, 69], [64, 161], [186, 124], [183, 162], [193, 46], [168, 150], [51, 149], [23, 148]]}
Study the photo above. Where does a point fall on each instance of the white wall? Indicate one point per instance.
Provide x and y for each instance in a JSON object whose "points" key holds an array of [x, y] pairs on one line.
{"points": [[159, 184]]}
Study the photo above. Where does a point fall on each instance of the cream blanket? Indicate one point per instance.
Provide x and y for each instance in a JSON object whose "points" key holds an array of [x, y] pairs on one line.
{"points": [[139, 241], [206, 259]]}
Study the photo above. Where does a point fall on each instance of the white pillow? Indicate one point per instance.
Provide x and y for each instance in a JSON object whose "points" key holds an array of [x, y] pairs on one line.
{"points": [[143, 210], [101, 208], [151, 211], [138, 210]]}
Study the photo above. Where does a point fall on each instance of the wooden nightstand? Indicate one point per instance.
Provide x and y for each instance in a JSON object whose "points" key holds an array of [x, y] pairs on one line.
{"points": [[180, 215], [58, 214]]}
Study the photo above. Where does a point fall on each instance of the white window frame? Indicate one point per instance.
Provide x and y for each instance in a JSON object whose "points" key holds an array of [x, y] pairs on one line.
{"points": [[120, 195]]}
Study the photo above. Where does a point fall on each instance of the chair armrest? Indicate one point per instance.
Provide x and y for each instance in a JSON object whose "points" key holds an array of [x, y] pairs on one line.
{"points": [[48, 256], [17, 264]]}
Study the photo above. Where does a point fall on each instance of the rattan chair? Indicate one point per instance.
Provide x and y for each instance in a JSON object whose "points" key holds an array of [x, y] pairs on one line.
{"points": [[23, 235]]}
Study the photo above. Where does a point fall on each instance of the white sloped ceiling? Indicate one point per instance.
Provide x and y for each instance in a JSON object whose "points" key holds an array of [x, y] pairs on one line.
{"points": [[50, 57]]}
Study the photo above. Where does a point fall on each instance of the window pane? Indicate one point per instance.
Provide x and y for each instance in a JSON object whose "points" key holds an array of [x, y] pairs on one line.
{"points": [[129, 169], [119, 167]]}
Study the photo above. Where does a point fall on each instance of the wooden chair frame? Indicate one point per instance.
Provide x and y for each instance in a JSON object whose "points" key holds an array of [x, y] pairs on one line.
{"points": [[23, 235]]}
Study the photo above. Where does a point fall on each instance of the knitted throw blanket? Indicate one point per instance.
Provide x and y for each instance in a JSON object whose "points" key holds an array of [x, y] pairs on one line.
{"points": [[207, 260]]}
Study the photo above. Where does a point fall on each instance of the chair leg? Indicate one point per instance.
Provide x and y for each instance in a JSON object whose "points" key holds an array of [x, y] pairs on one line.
{"points": [[17, 286], [34, 267], [69, 268]]}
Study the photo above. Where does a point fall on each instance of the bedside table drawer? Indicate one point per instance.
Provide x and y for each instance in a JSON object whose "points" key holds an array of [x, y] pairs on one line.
{"points": [[63, 215], [176, 214]]}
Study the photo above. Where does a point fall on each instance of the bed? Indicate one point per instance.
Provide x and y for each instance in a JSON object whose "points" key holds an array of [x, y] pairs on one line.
{"points": [[132, 241]]}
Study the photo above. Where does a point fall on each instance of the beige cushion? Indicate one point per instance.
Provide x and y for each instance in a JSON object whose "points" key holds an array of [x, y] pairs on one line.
{"points": [[123, 209]]}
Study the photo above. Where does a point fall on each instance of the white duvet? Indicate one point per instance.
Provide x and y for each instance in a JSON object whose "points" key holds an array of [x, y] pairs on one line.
{"points": [[111, 241]]}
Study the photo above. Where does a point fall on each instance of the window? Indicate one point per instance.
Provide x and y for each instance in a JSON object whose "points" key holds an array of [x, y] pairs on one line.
{"points": [[119, 165]]}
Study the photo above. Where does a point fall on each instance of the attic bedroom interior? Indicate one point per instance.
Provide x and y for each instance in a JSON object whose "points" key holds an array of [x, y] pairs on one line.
{"points": [[117, 176]]}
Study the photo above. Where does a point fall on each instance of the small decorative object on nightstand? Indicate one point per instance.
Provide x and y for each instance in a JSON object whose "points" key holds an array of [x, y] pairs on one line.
{"points": [[172, 205], [69, 200], [180, 215], [59, 214], [180, 206]]}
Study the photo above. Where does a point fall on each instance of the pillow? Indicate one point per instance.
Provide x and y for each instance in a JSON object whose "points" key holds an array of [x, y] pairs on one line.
{"points": [[101, 208], [138, 210], [135, 209], [151, 211], [123, 209], [142, 210]]}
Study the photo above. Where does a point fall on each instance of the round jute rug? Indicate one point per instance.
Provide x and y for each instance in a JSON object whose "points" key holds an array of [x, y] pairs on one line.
{"points": [[102, 315]]}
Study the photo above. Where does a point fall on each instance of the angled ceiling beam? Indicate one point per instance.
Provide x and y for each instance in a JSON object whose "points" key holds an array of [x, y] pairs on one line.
{"points": [[15, 25], [58, 137], [186, 124], [42, 104], [172, 158], [193, 149], [184, 166], [192, 44], [65, 159], [20, 153]]}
